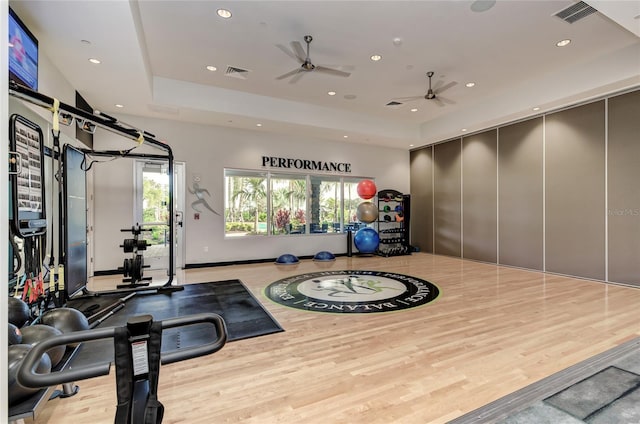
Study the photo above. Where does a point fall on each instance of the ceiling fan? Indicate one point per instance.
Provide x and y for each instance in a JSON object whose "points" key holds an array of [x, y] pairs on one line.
{"points": [[433, 93], [305, 62]]}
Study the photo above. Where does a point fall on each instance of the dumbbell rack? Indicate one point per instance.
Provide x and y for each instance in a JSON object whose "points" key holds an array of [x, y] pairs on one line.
{"points": [[133, 267], [393, 223]]}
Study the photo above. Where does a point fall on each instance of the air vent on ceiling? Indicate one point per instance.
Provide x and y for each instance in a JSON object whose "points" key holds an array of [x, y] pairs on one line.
{"points": [[234, 72], [394, 104], [575, 12]]}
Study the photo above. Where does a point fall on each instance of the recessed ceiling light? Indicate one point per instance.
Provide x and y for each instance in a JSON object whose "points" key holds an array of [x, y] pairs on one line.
{"points": [[331, 93], [470, 84], [536, 108], [224, 13], [118, 105], [563, 43], [258, 125], [345, 136], [464, 130], [376, 57], [211, 68], [96, 61], [414, 110], [85, 41], [410, 145]]}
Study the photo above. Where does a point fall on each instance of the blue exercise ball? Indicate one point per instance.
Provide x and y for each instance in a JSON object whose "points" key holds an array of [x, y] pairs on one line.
{"points": [[366, 240], [287, 259]]}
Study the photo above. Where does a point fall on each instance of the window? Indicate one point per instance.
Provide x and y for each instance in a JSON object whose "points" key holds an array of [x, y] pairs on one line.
{"points": [[265, 203], [288, 204], [245, 210]]}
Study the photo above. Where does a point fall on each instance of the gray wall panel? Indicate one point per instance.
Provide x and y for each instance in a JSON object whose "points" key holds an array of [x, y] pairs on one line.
{"points": [[521, 194], [624, 188], [575, 192], [447, 179], [421, 189], [479, 196]]}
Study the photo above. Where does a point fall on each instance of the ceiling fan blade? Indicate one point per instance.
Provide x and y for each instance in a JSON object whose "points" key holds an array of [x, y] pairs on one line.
{"points": [[289, 53], [298, 50], [445, 87], [408, 99], [288, 74], [332, 71], [445, 100], [299, 75], [438, 101]]}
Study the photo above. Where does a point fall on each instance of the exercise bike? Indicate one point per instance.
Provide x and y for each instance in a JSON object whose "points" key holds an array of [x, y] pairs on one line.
{"points": [[137, 361]]}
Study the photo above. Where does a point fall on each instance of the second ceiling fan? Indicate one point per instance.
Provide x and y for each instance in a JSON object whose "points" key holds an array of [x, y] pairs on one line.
{"points": [[432, 93], [306, 65]]}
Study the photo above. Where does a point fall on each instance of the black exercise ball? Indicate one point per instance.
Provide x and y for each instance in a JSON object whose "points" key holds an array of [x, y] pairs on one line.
{"points": [[15, 357], [14, 335], [66, 320], [19, 313], [36, 333]]}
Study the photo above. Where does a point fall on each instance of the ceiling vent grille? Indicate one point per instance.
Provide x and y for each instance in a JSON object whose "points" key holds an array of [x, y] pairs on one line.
{"points": [[234, 72], [575, 12]]}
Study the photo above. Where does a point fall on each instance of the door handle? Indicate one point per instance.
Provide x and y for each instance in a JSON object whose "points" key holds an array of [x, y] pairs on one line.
{"points": [[179, 217]]}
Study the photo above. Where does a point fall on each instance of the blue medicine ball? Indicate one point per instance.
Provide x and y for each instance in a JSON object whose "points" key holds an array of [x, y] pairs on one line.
{"points": [[366, 240], [287, 259]]}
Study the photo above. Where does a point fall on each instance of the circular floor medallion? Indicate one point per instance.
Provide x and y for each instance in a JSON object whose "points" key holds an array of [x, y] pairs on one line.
{"points": [[350, 291]]}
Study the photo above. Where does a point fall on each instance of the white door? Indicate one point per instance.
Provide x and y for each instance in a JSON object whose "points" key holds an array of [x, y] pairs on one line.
{"points": [[179, 197], [153, 214]]}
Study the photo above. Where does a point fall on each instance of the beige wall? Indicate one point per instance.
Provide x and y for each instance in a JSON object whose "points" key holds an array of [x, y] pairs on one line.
{"points": [[558, 193]]}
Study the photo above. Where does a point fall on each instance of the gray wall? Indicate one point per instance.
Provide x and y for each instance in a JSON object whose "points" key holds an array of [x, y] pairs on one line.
{"points": [[520, 194], [421, 189], [557, 193], [574, 209], [479, 196], [446, 198], [624, 188]]}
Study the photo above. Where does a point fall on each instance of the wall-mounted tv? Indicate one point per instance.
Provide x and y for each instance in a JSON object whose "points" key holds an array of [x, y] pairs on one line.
{"points": [[23, 53]]}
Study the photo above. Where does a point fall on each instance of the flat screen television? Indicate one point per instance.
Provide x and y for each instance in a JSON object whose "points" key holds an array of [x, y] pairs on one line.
{"points": [[23, 53]]}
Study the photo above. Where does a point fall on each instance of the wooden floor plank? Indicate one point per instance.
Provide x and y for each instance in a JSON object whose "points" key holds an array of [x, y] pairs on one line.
{"points": [[492, 331]]}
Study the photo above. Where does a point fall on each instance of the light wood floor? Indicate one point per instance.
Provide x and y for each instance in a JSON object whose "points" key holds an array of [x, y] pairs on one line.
{"points": [[493, 330]]}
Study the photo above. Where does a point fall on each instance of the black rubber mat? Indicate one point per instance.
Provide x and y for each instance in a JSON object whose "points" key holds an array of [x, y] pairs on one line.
{"points": [[243, 314]]}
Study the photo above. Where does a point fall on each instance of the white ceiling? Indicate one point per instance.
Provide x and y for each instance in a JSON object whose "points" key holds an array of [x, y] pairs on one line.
{"points": [[154, 55]]}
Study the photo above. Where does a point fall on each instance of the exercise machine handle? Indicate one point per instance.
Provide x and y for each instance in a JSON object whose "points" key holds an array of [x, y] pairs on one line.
{"points": [[178, 355], [29, 378]]}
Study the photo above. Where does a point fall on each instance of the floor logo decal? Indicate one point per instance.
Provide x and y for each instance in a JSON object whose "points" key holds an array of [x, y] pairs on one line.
{"points": [[352, 291]]}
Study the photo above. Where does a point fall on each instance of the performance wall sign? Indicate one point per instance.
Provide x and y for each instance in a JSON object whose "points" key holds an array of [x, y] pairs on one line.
{"points": [[352, 291], [305, 164]]}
